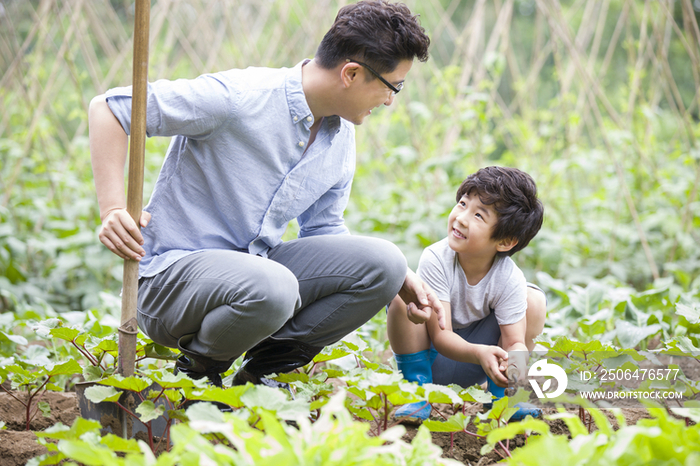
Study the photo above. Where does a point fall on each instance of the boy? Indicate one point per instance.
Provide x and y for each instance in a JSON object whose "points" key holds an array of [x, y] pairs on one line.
{"points": [[489, 308]]}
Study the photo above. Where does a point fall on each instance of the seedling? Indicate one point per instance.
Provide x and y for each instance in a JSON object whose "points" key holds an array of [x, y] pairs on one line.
{"points": [[34, 381]]}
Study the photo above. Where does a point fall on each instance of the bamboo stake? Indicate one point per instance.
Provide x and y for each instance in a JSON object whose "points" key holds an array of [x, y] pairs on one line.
{"points": [[134, 200]]}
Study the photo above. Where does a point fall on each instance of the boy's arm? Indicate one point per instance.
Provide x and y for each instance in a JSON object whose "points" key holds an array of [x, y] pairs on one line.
{"points": [[108, 147], [513, 341], [491, 357]]}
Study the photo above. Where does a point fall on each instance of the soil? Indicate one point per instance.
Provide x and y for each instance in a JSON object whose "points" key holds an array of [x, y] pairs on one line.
{"points": [[467, 449], [17, 445], [64, 408]]}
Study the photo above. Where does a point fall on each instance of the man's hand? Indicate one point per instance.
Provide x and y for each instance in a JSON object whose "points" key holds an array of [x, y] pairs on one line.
{"points": [[494, 360], [121, 235], [420, 300]]}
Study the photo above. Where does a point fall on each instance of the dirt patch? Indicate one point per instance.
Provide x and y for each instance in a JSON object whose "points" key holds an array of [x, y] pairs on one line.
{"points": [[64, 408], [16, 448], [466, 448]]}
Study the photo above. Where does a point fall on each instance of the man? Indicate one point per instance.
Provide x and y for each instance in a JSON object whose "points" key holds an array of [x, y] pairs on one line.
{"points": [[251, 150]]}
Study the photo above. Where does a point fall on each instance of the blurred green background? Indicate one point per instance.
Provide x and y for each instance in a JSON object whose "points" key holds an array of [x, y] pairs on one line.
{"points": [[598, 100]]}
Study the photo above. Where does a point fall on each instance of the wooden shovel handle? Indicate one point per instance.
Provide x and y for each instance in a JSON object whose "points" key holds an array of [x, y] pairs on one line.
{"points": [[134, 198]]}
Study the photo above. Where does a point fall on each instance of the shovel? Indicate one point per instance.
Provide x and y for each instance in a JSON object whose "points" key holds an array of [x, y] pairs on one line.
{"points": [[134, 200]]}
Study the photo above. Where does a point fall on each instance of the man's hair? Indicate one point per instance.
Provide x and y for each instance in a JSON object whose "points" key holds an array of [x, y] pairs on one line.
{"points": [[376, 32], [513, 195]]}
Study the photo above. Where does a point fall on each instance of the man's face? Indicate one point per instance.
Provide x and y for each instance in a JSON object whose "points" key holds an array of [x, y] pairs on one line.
{"points": [[367, 94], [469, 227]]}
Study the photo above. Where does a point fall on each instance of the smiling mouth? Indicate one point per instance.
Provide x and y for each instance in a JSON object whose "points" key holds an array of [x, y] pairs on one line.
{"points": [[455, 232]]}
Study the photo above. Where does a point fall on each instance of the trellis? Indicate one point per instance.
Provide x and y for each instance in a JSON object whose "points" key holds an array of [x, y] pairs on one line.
{"points": [[82, 48]]}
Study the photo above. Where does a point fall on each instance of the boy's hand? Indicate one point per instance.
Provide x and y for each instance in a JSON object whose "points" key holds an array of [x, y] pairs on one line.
{"points": [[121, 236], [494, 360], [421, 301]]}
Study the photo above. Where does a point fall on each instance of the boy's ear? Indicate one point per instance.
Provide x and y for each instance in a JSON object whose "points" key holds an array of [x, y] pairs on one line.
{"points": [[507, 244]]}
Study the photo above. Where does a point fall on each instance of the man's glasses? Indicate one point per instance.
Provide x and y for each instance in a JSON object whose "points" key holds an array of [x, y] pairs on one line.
{"points": [[395, 89]]}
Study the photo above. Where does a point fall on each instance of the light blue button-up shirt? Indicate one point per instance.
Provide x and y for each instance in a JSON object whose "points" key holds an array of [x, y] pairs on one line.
{"points": [[238, 169]]}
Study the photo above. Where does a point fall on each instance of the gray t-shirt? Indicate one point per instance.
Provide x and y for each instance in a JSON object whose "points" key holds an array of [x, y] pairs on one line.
{"points": [[503, 289]]}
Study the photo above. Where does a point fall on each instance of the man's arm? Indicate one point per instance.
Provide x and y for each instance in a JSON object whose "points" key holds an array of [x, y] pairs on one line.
{"points": [[108, 148]]}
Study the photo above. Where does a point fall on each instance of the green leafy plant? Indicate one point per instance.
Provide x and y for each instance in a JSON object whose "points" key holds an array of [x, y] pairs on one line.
{"points": [[227, 439], [32, 381]]}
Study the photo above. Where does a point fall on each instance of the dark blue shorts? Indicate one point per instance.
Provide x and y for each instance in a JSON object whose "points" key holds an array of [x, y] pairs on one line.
{"points": [[464, 374]]}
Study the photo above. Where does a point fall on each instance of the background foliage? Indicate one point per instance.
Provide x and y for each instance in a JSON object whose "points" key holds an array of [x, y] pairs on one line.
{"points": [[597, 100]]}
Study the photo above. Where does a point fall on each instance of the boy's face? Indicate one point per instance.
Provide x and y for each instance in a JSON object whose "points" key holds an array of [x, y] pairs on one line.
{"points": [[469, 228]]}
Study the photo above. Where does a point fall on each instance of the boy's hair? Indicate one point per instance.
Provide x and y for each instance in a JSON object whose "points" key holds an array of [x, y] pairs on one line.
{"points": [[513, 195], [376, 32]]}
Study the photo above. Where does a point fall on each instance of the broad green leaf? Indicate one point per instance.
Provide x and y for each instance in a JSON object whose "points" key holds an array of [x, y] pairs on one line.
{"points": [[66, 368], [60, 431], [116, 443], [690, 410], [515, 428], [64, 333], [166, 379], [45, 408], [87, 453], [455, 423], [149, 411], [441, 394], [17, 339], [230, 396], [336, 353], [290, 377], [98, 394], [156, 351], [92, 373], [473, 394], [133, 383], [629, 335], [691, 313]]}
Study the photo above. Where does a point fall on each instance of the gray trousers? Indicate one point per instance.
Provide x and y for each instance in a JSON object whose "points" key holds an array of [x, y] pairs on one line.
{"points": [[315, 290]]}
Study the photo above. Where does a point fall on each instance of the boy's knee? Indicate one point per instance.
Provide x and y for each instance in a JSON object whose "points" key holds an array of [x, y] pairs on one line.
{"points": [[536, 312]]}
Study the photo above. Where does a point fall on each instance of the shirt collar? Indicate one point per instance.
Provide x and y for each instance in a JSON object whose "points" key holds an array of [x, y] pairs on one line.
{"points": [[298, 107], [299, 110]]}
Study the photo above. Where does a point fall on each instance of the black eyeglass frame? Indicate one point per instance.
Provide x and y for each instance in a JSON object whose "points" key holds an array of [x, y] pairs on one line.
{"points": [[394, 89]]}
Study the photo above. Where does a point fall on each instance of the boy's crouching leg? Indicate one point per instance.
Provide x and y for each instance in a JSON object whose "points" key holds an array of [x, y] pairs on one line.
{"points": [[535, 315]]}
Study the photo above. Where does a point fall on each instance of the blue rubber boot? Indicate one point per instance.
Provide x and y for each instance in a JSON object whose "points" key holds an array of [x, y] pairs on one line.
{"points": [[415, 367], [524, 409]]}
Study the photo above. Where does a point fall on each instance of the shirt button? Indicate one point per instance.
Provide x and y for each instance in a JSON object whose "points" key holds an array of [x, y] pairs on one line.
{"points": [[301, 143], [296, 119], [309, 119]]}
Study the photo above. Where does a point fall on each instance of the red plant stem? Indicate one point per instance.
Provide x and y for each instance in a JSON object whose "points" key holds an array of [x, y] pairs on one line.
{"points": [[36, 411], [87, 354], [6, 391], [30, 397], [505, 449], [386, 411], [149, 429]]}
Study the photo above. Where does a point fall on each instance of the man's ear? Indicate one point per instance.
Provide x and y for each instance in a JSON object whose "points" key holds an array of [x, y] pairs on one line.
{"points": [[506, 245], [349, 73]]}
